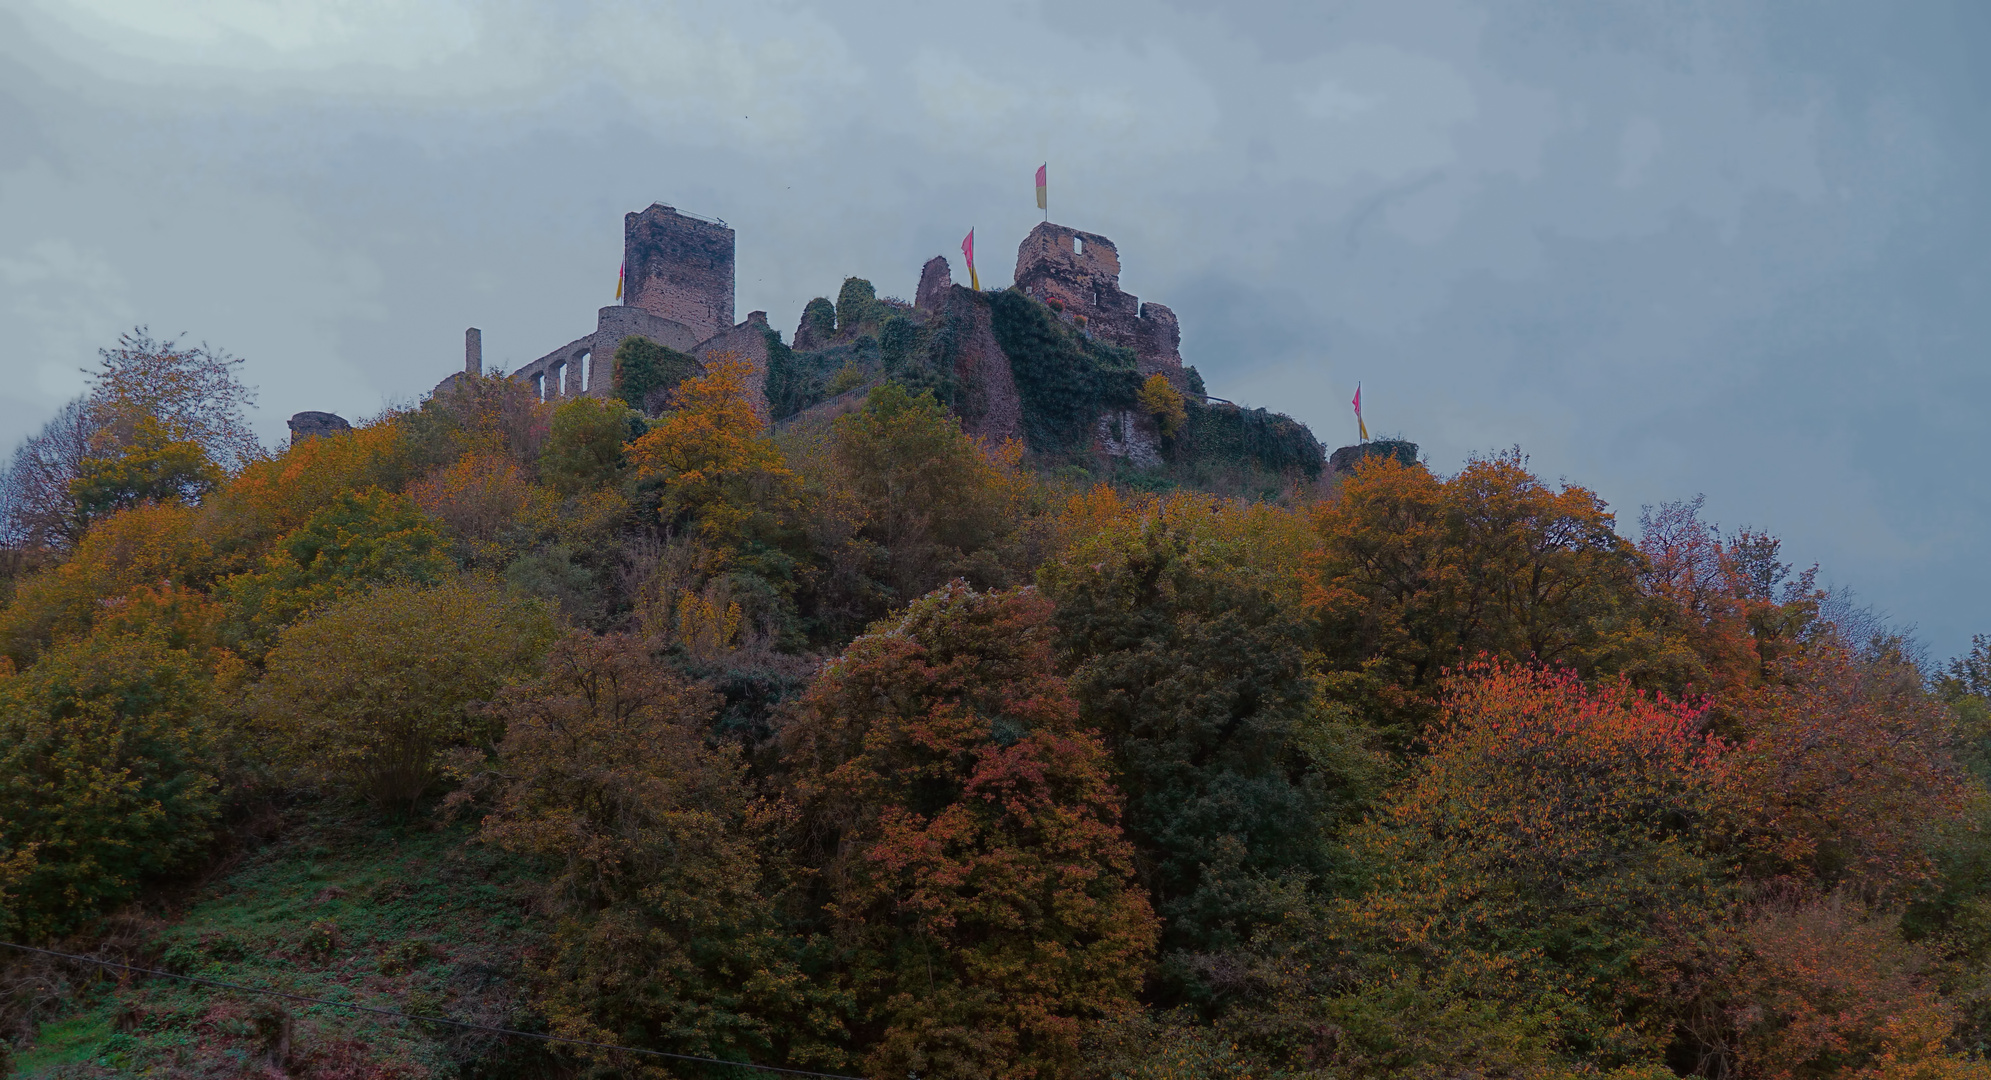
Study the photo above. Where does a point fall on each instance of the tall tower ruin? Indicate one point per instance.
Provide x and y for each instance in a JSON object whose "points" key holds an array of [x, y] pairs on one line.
{"points": [[680, 268]]}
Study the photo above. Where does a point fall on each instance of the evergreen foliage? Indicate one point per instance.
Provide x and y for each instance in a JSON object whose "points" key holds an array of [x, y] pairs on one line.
{"points": [[857, 305], [820, 315]]}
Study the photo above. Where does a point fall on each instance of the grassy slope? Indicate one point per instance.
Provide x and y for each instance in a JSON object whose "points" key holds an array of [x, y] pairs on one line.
{"points": [[343, 907]]}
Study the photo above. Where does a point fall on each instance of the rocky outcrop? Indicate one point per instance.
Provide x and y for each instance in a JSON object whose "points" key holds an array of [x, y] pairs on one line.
{"points": [[989, 406]]}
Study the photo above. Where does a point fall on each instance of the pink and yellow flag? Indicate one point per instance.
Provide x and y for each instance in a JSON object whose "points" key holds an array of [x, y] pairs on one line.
{"points": [[968, 253], [1359, 425], [1042, 203], [619, 271]]}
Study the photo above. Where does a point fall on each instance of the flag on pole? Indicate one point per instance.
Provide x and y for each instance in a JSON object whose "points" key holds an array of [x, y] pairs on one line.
{"points": [[1359, 425], [968, 253], [618, 279], [1042, 203]]}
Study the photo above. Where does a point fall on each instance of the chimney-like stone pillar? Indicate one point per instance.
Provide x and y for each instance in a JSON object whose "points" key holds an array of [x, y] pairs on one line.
{"points": [[473, 352]]}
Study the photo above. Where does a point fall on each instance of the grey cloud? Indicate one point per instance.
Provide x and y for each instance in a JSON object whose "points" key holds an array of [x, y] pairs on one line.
{"points": [[1667, 248]]}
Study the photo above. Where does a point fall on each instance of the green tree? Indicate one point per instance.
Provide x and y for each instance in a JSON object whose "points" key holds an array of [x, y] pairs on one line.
{"points": [[966, 833], [359, 539], [152, 466], [857, 304], [110, 753], [934, 501], [665, 866], [586, 448], [369, 692], [1191, 661]]}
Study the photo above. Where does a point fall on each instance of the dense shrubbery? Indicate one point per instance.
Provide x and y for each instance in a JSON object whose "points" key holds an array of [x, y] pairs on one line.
{"points": [[862, 746]]}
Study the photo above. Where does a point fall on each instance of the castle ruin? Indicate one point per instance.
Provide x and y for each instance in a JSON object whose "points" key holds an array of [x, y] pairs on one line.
{"points": [[677, 292], [1078, 274]]}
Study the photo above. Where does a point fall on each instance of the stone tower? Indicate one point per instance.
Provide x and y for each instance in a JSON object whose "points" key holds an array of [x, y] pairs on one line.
{"points": [[1079, 273], [680, 268]]}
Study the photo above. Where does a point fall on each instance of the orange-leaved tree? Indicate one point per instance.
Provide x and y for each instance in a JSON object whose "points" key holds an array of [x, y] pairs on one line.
{"points": [[1543, 856], [1416, 574], [155, 546], [488, 507], [967, 835]]}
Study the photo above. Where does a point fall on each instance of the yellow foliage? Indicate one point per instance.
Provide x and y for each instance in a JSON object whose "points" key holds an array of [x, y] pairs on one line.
{"points": [[703, 628], [151, 545], [271, 497], [712, 458], [1160, 399], [369, 692]]}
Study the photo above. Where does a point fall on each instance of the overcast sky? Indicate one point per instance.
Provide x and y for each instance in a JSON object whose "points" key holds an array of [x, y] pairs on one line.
{"points": [[1736, 248]]}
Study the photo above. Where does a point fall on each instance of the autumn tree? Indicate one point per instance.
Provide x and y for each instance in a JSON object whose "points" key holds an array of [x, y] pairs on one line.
{"points": [[1843, 775], [1160, 399], [272, 496], [152, 466], [488, 507], [710, 461], [368, 693], [1543, 857], [902, 500], [666, 868], [1729, 611], [967, 837], [1187, 649], [36, 509], [359, 539], [193, 391], [110, 753], [586, 444], [1416, 574], [157, 549]]}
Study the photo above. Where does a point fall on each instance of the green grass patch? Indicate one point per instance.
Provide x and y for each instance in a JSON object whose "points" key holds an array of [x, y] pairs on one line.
{"points": [[344, 907]]}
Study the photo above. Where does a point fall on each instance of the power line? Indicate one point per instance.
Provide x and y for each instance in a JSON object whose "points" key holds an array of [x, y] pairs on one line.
{"points": [[424, 1019]]}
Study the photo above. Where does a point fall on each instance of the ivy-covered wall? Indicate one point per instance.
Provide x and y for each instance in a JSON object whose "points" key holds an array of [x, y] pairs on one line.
{"points": [[1063, 378], [644, 370], [1222, 434]]}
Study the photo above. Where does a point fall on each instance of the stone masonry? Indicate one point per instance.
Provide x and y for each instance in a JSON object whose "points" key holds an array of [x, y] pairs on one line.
{"points": [[677, 292], [1079, 274], [312, 425]]}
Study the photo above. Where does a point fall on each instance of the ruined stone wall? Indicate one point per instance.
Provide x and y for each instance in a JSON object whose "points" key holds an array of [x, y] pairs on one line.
{"points": [[1078, 273], [679, 268], [313, 425], [989, 406]]}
